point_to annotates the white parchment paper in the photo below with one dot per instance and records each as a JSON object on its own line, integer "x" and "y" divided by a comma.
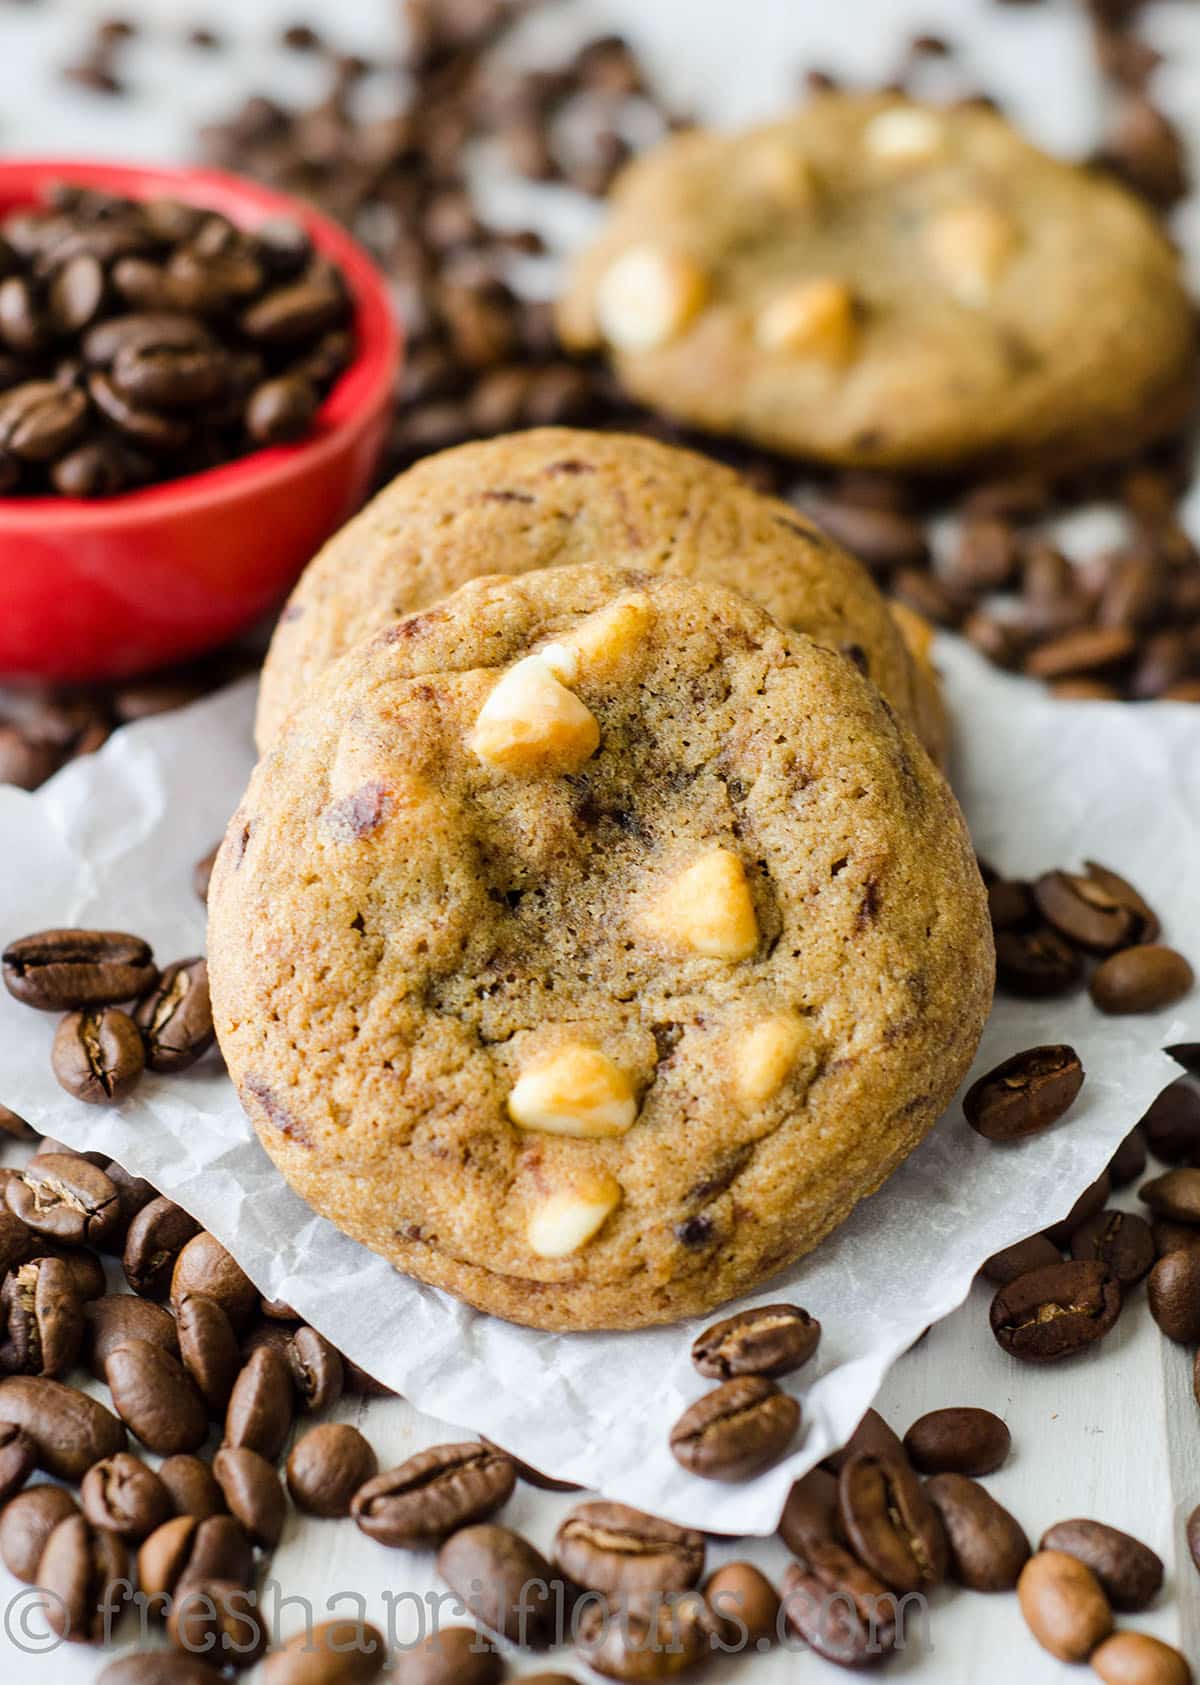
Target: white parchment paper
{"x": 112, "y": 840}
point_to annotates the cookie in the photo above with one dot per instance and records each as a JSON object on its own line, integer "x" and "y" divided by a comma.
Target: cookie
{"x": 559, "y": 496}
{"x": 588, "y": 945}
{"x": 879, "y": 283}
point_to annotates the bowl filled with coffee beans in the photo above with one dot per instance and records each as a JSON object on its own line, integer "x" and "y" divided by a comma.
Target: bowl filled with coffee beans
{"x": 196, "y": 379}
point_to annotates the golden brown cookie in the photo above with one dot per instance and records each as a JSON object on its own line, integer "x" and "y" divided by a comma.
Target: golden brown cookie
{"x": 881, "y": 283}
{"x": 588, "y": 945}
{"x": 560, "y": 496}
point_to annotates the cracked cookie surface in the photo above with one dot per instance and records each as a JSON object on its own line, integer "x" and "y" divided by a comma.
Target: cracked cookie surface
{"x": 589, "y": 945}
{"x": 563, "y": 496}
{"x": 881, "y": 283}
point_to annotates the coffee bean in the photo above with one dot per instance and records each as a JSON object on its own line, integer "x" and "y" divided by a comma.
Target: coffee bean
{"x": 57, "y": 970}
{"x": 192, "y": 1486}
{"x": 1142, "y": 979}
{"x": 872, "y": 1435}
{"x": 1018, "y": 1259}
{"x": 1119, "y": 1240}
{"x": 958, "y": 1440}
{"x": 1172, "y": 1237}
{"x": 122, "y": 1495}
{"x": 1064, "y": 1605}
{"x": 1187, "y": 1054}
{"x": 259, "y": 1415}
{"x": 616, "y": 1550}
{"x": 811, "y": 1512}
{"x": 16, "y": 1241}
{"x": 134, "y": 1193}
{"x": 1086, "y": 912}
{"x": 505, "y": 1583}
{"x": 204, "y": 1266}
{"x": 986, "y": 1547}
{"x": 1137, "y": 1658}
{"x": 735, "y": 1431}
{"x": 1173, "y": 1294}
{"x": 116, "y": 1317}
{"x": 1091, "y": 1200}
{"x": 155, "y": 1239}
{"x": 43, "y": 1319}
{"x": 1025, "y": 1094}
{"x": 208, "y": 1348}
{"x": 882, "y": 538}
{"x": 642, "y": 1635}
{"x": 12, "y": 1124}
{"x": 71, "y": 1430}
{"x": 176, "y": 1017}
{"x": 220, "y": 1618}
{"x": 153, "y": 1396}
{"x": 1175, "y": 1194}
{"x": 18, "y": 1459}
{"x": 98, "y": 1056}
{"x": 889, "y": 1522}
{"x": 293, "y": 314}
{"x": 326, "y": 1467}
{"x": 449, "y": 1655}
{"x": 1172, "y": 1122}
{"x": 340, "y": 1652}
{"x": 281, "y": 410}
{"x": 771, "y": 1340}
{"x": 159, "y": 1667}
{"x": 1055, "y": 1311}
{"x": 1082, "y": 650}
{"x": 1036, "y": 963}
{"x": 185, "y": 1550}
{"x": 432, "y": 1494}
{"x": 26, "y": 1522}
{"x": 838, "y": 1607}
{"x": 1129, "y": 1572}
{"x": 1129, "y": 1160}
{"x": 86, "y": 1573}
{"x": 1122, "y": 891}
{"x": 253, "y": 1492}
{"x": 317, "y": 1370}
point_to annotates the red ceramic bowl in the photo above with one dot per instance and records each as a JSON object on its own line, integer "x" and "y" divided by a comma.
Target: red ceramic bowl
{"x": 106, "y": 588}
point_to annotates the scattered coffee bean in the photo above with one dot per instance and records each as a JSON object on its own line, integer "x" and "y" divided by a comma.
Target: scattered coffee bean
{"x": 86, "y": 1574}
{"x": 1173, "y": 1294}
{"x": 505, "y": 1583}
{"x": 890, "y": 1524}
{"x": 745, "y": 1606}
{"x": 340, "y": 1652}
{"x": 18, "y": 1459}
{"x": 1172, "y": 1123}
{"x": 735, "y": 1431}
{"x": 153, "y": 1396}
{"x": 1137, "y": 1658}
{"x": 159, "y": 1667}
{"x": 1142, "y": 979}
{"x": 449, "y": 1655}
{"x": 1119, "y": 1240}
{"x": 1129, "y": 1572}
{"x": 42, "y": 1314}
{"x": 203, "y": 1266}
{"x": 1017, "y": 1260}
{"x": 26, "y": 1522}
{"x": 838, "y": 1607}
{"x": 1064, "y": 1605}
{"x": 260, "y": 1406}
{"x": 71, "y": 1430}
{"x": 63, "y": 1197}
{"x": 12, "y": 1124}
{"x": 986, "y": 1547}
{"x": 1172, "y": 1237}
{"x": 1055, "y": 1311}
{"x": 122, "y": 1495}
{"x": 175, "y": 1018}
{"x": 1187, "y": 1054}
{"x": 59, "y": 970}
{"x": 191, "y": 1485}
{"x": 317, "y": 1370}
{"x": 116, "y": 1317}
{"x": 155, "y": 1239}
{"x": 770, "y": 1340}
{"x": 1036, "y": 963}
{"x": 1174, "y": 1194}
{"x": 958, "y": 1440}
{"x": 811, "y": 1512}
{"x": 872, "y": 1435}
{"x": 208, "y": 1349}
{"x": 1087, "y": 912}
{"x": 432, "y": 1494}
{"x": 1025, "y": 1094}
{"x": 98, "y": 1056}
{"x": 218, "y": 1617}
{"x": 326, "y": 1467}
{"x": 253, "y": 1492}
{"x": 641, "y": 1635}
{"x": 1091, "y": 1200}
{"x": 1129, "y": 1160}
{"x": 184, "y": 1550}
{"x": 616, "y": 1550}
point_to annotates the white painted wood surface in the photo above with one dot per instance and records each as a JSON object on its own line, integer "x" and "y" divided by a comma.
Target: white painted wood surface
{"x": 1114, "y": 1435}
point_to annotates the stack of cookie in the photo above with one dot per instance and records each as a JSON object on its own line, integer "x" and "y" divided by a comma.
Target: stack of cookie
{"x": 597, "y": 928}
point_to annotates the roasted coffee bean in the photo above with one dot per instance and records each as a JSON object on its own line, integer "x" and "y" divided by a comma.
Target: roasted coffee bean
{"x": 882, "y": 538}
{"x": 122, "y": 1495}
{"x": 735, "y": 1431}
{"x": 1018, "y": 1259}
{"x": 316, "y": 1369}
{"x": 986, "y": 1547}
{"x": 86, "y": 1573}
{"x": 175, "y": 1018}
{"x": 14, "y": 1125}
{"x": 1036, "y": 963}
{"x": 616, "y": 1550}
{"x": 220, "y": 1618}
{"x": 1175, "y": 1194}
{"x": 872, "y": 1435}
{"x": 1173, "y": 1237}
{"x": 811, "y": 1512}
{"x": 331, "y": 1653}
{"x": 291, "y": 314}
{"x": 191, "y": 1486}
{"x": 18, "y": 1459}
{"x": 71, "y": 1430}
{"x": 643, "y": 1636}
{"x": 154, "y": 1397}
{"x": 260, "y": 1406}
{"x": 116, "y": 1317}
{"x": 1173, "y": 1294}
{"x": 1086, "y": 912}
{"x": 326, "y": 1467}
{"x": 1171, "y": 1124}
{"x": 1025, "y": 1094}
{"x": 889, "y": 1522}
{"x": 134, "y": 1193}
{"x": 1144, "y": 979}
{"x": 16, "y": 1241}
{"x": 770, "y": 1340}
{"x": 26, "y": 1522}
{"x": 98, "y": 1056}
{"x": 1091, "y": 1200}
{"x": 1119, "y": 1240}
{"x": 1010, "y": 905}
{"x": 505, "y": 1583}
{"x": 253, "y": 1492}
{"x": 432, "y": 1494}
{"x": 159, "y": 1667}
{"x": 281, "y": 410}
{"x": 1056, "y": 1311}
{"x": 745, "y": 1606}
{"x": 87, "y": 1271}
{"x": 208, "y": 1349}
{"x": 171, "y": 377}
{"x": 449, "y": 1655}
{"x": 63, "y": 1197}
{"x": 185, "y": 1549}
{"x": 58, "y": 970}
{"x": 147, "y": 429}
{"x": 1187, "y": 1054}
{"x": 1064, "y": 1605}
{"x": 1136, "y": 1658}
{"x": 838, "y": 1607}
{"x": 43, "y": 1319}
{"x": 1129, "y": 1160}
{"x": 204, "y": 1266}
{"x": 40, "y": 419}
{"x": 959, "y": 1440}
{"x": 1122, "y": 891}
{"x": 155, "y": 1239}
{"x": 1129, "y": 1572}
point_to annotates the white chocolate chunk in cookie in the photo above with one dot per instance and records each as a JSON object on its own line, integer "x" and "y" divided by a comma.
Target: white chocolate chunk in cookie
{"x": 603, "y": 642}
{"x": 566, "y": 1220}
{"x": 532, "y": 723}
{"x": 904, "y": 134}
{"x": 766, "y": 1055}
{"x": 812, "y": 318}
{"x": 780, "y": 173}
{"x": 707, "y": 910}
{"x": 646, "y": 297}
{"x": 576, "y": 1091}
{"x": 970, "y": 246}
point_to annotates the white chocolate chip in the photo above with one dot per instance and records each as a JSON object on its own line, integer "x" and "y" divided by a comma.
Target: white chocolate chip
{"x": 707, "y": 910}
{"x": 766, "y": 1056}
{"x": 531, "y": 723}
{"x": 576, "y": 1091}
{"x": 904, "y": 134}
{"x": 566, "y": 1220}
{"x": 562, "y": 660}
{"x": 812, "y": 318}
{"x": 647, "y": 297}
{"x": 970, "y": 245}
{"x": 602, "y": 643}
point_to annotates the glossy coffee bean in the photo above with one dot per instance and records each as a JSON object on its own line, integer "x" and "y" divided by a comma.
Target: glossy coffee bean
{"x": 1145, "y": 979}
{"x": 616, "y": 1550}
{"x": 98, "y": 1056}
{"x": 1056, "y": 1311}
{"x": 259, "y": 1415}
{"x": 1170, "y": 1236}
{"x": 1086, "y": 912}
{"x": 1172, "y": 1122}
{"x": 1063, "y": 1604}
{"x": 86, "y": 1573}
{"x": 1129, "y": 1571}
{"x": 505, "y": 1583}
{"x": 1173, "y": 1294}
{"x": 208, "y": 1349}
{"x": 204, "y": 1266}
{"x": 735, "y": 1431}
{"x": 872, "y": 1435}
{"x": 184, "y": 1550}
{"x": 1174, "y": 1195}
{"x": 116, "y": 1317}
{"x": 71, "y": 1430}
{"x": 175, "y": 1018}
{"x": 770, "y": 1340}
{"x": 810, "y": 1514}
{"x": 154, "y": 1397}
{"x": 339, "y": 1652}
{"x": 220, "y": 1618}
{"x": 839, "y": 1608}
{"x": 42, "y": 1316}
{"x": 1119, "y": 1240}
{"x": 154, "y": 1240}
{"x": 432, "y": 1494}
{"x": 642, "y": 1636}
{"x": 1091, "y": 1200}
{"x": 123, "y": 1495}
{"x": 191, "y": 1486}
{"x": 745, "y": 1606}
{"x": 986, "y": 1547}
{"x": 326, "y": 1467}
{"x": 26, "y": 1522}
{"x": 317, "y": 1370}
{"x": 1037, "y": 963}
{"x": 64, "y": 1198}
{"x": 1025, "y": 1094}
{"x": 59, "y": 970}
{"x": 449, "y": 1655}
{"x": 18, "y": 1459}
{"x": 1137, "y": 1658}
{"x": 890, "y": 1524}
{"x": 957, "y": 1440}
{"x": 253, "y": 1492}
{"x": 1016, "y": 1260}
{"x": 1129, "y": 1160}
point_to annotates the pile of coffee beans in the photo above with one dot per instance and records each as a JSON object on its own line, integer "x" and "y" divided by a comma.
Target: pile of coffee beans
{"x": 142, "y": 340}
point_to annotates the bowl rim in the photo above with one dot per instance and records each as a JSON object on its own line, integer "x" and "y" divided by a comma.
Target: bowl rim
{"x": 350, "y": 405}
